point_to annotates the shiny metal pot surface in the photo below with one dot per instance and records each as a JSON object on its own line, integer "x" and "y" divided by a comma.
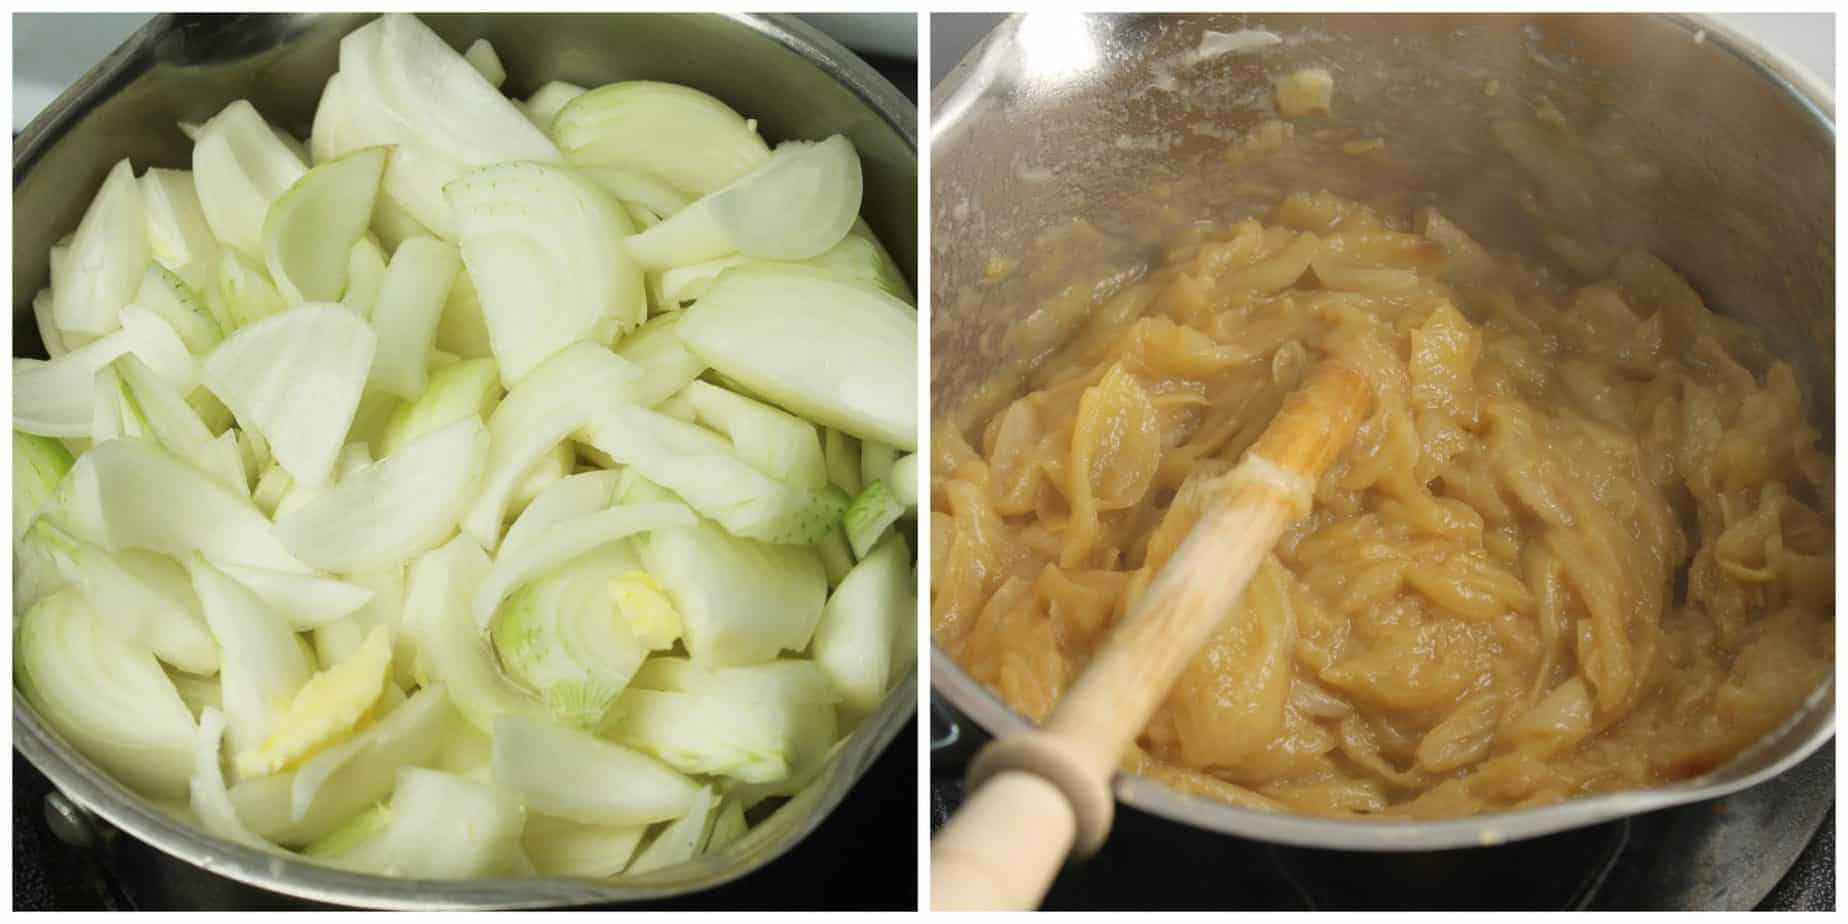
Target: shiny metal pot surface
{"x": 797, "y": 82}
{"x": 1061, "y": 116}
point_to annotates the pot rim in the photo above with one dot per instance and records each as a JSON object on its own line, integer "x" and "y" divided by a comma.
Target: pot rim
{"x": 952, "y": 99}
{"x": 85, "y": 784}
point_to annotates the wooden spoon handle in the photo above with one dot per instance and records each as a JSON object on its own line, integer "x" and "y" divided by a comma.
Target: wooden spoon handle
{"x": 999, "y": 858}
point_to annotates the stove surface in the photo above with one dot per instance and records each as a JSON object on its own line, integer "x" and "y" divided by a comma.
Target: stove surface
{"x": 1771, "y": 847}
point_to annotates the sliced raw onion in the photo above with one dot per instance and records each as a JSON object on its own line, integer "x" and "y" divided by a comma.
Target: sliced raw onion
{"x": 240, "y": 166}
{"x": 404, "y": 316}
{"x": 296, "y": 379}
{"x": 108, "y": 697}
{"x": 677, "y": 133}
{"x": 393, "y": 510}
{"x": 796, "y": 205}
{"x": 840, "y": 355}
{"x": 566, "y": 541}
{"x": 556, "y": 400}
{"x": 573, "y": 775}
{"x": 544, "y": 249}
{"x": 107, "y": 256}
{"x": 262, "y": 664}
{"x": 310, "y": 230}
{"x": 179, "y": 237}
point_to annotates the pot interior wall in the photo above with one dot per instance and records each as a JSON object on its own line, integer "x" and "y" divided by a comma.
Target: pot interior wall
{"x": 281, "y": 63}
{"x": 1706, "y": 159}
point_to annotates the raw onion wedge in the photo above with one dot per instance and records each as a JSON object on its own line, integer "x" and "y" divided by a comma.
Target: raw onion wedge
{"x": 853, "y": 644}
{"x": 351, "y": 833}
{"x": 470, "y": 388}
{"x": 543, "y": 246}
{"x": 566, "y": 541}
{"x": 307, "y": 601}
{"x": 838, "y": 354}
{"x": 704, "y": 470}
{"x": 462, "y": 329}
{"x": 179, "y": 238}
{"x": 140, "y": 606}
{"x": 57, "y": 398}
{"x": 337, "y": 640}
{"x": 794, "y": 681}
{"x": 727, "y": 827}
{"x": 756, "y": 724}
{"x": 240, "y": 166}
{"x": 551, "y": 467}
{"x": 107, "y": 256}
{"x": 392, "y": 510}
{"x": 557, "y": 399}
{"x": 211, "y": 803}
{"x": 903, "y": 481}
{"x": 681, "y": 841}
{"x": 168, "y": 296}
{"x": 333, "y": 132}
{"x": 39, "y": 464}
{"x": 666, "y": 364}
{"x": 176, "y": 426}
{"x": 197, "y": 692}
{"x": 682, "y": 285}
{"x": 366, "y": 266}
{"x": 794, "y": 206}
{"x": 860, "y": 258}
{"x": 568, "y": 498}
{"x": 261, "y": 663}
{"x": 836, "y": 555}
{"x": 106, "y": 696}
{"x": 565, "y": 637}
{"x": 443, "y": 826}
{"x": 643, "y": 190}
{"x": 43, "y": 308}
{"x": 404, "y": 86}
{"x": 480, "y": 56}
{"x": 296, "y": 379}
{"x": 326, "y": 709}
{"x": 346, "y": 778}
{"x": 705, "y": 735}
{"x": 742, "y": 602}
{"x": 134, "y": 495}
{"x": 310, "y": 230}
{"x": 451, "y": 645}
{"x": 572, "y": 775}
{"x": 410, "y": 301}
{"x": 876, "y": 460}
{"x": 242, "y": 292}
{"x": 779, "y": 444}
{"x": 543, "y": 106}
{"x": 447, "y": 103}
{"x": 869, "y": 516}
{"x": 559, "y": 847}
{"x": 677, "y": 133}
{"x": 843, "y": 455}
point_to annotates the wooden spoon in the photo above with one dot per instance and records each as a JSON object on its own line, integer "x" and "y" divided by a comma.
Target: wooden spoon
{"x": 1036, "y": 796}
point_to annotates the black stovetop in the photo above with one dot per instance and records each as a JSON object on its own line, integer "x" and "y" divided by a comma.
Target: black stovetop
{"x": 1771, "y": 847}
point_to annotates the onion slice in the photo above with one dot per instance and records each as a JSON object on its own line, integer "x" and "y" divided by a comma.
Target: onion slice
{"x": 677, "y": 133}
{"x": 573, "y": 775}
{"x": 310, "y": 231}
{"x": 543, "y": 246}
{"x": 838, "y": 354}
{"x": 392, "y": 510}
{"x": 295, "y": 378}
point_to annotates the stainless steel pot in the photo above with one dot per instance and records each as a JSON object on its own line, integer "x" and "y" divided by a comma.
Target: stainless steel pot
{"x": 1056, "y": 116}
{"x": 797, "y": 82}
